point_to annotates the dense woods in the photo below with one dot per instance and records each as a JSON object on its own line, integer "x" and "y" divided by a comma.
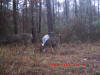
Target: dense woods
{"x": 72, "y": 29}
{"x": 75, "y": 20}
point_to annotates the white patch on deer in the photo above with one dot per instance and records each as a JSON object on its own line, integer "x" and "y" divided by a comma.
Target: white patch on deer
{"x": 45, "y": 38}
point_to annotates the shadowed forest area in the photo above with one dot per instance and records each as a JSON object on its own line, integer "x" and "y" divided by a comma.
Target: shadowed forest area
{"x": 49, "y": 37}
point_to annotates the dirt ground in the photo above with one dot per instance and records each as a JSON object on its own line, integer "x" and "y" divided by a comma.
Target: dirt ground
{"x": 30, "y": 61}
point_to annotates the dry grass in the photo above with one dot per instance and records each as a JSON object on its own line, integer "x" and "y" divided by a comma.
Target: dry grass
{"x": 22, "y": 61}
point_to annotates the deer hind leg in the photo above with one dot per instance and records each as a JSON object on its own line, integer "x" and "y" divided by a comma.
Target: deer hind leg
{"x": 53, "y": 51}
{"x": 17, "y": 50}
{"x": 52, "y": 48}
{"x": 44, "y": 48}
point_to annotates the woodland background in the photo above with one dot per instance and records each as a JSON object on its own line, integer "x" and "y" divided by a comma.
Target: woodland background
{"x": 76, "y": 20}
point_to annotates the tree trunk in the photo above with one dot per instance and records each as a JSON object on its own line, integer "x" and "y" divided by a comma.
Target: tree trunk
{"x": 98, "y": 9}
{"x": 66, "y": 9}
{"x": 76, "y": 12}
{"x": 49, "y": 17}
{"x": 90, "y": 14}
{"x": 40, "y": 8}
{"x": 23, "y": 22}
{"x": 7, "y": 4}
{"x": 53, "y": 11}
{"x": 33, "y": 24}
{"x": 1, "y": 4}
{"x": 15, "y": 16}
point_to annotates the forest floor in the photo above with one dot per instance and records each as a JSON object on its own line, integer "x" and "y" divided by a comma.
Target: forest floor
{"x": 20, "y": 61}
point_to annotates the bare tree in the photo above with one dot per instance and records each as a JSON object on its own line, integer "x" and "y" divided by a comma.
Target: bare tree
{"x": 40, "y": 8}
{"x": 98, "y": 8}
{"x": 1, "y": 4}
{"x": 53, "y": 3}
{"x": 49, "y": 16}
{"x": 32, "y": 21}
{"x": 67, "y": 9}
{"x": 25, "y": 15}
{"x": 15, "y": 16}
{"x": 76, "y": 11}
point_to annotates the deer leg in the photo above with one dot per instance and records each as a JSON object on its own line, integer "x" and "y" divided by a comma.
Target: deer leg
{"x": 17, "y": 51}
{"x": 43, "y": 49}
